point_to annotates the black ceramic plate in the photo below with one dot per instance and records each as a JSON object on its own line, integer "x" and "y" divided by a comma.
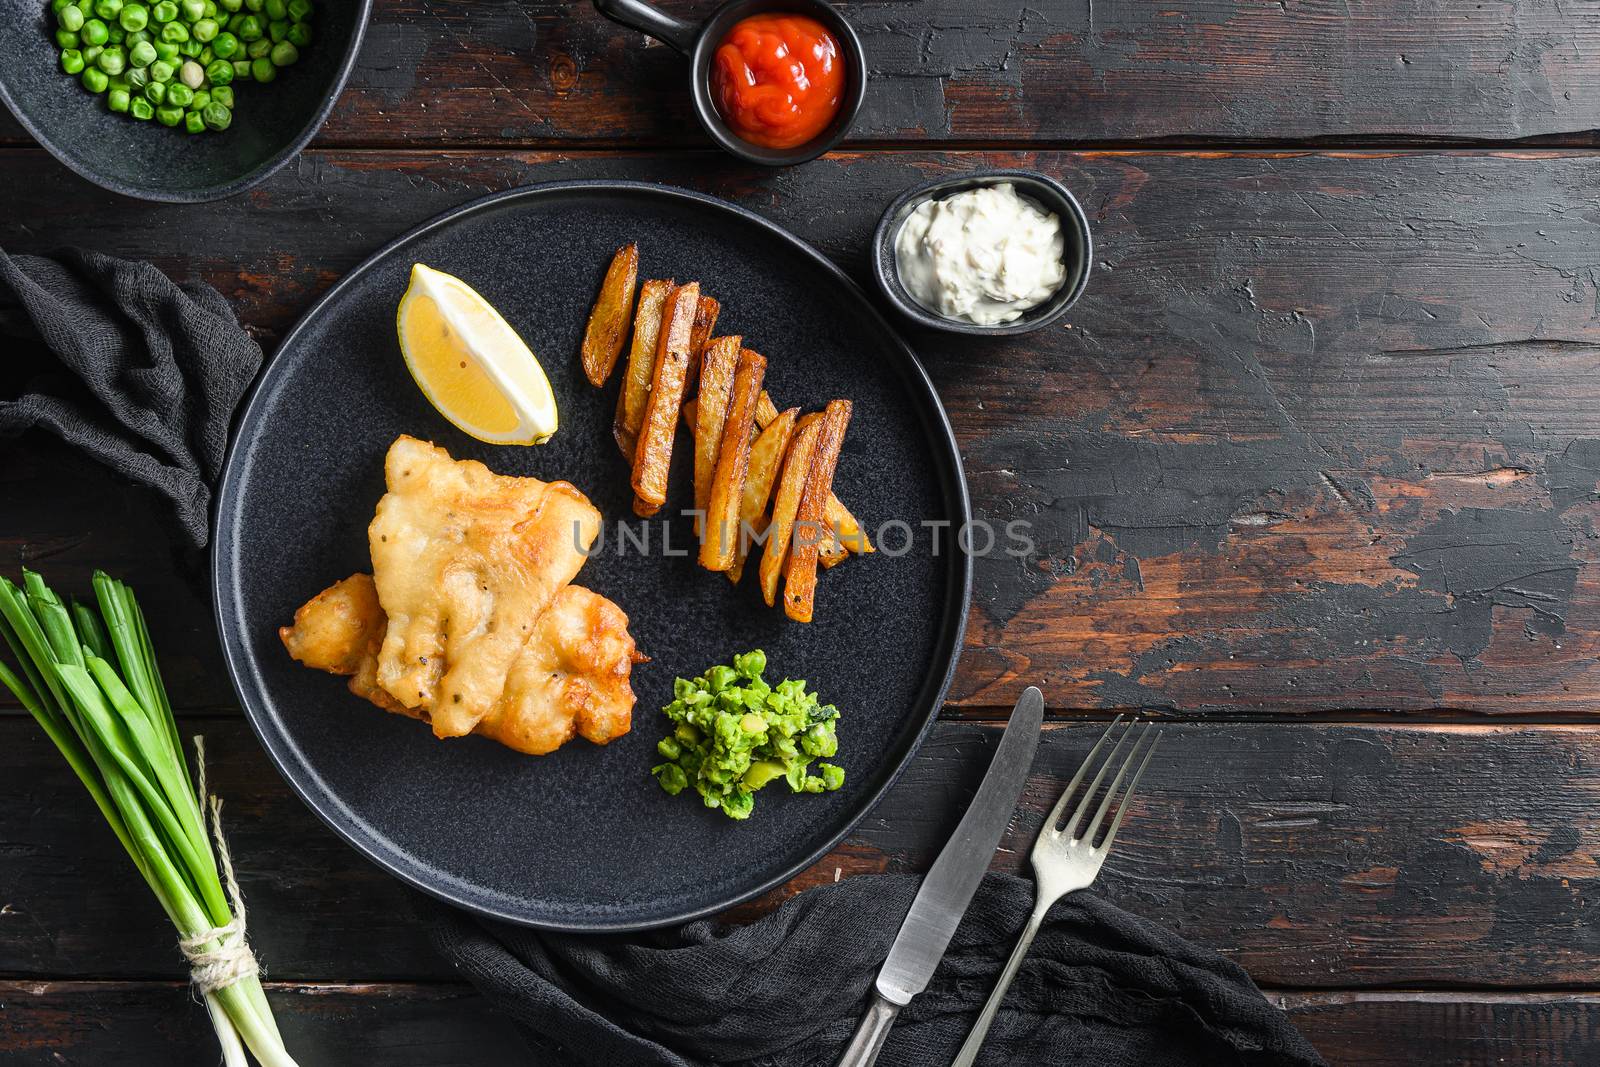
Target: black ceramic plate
{"x": 271, "y": 123}
{"x": 584, "y": 839}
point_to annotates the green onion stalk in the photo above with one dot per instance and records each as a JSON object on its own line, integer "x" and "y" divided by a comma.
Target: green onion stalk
{"x": 88, "y": 675}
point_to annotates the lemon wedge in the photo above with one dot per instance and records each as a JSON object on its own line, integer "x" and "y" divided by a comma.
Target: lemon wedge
{"x": 470, "y": 364}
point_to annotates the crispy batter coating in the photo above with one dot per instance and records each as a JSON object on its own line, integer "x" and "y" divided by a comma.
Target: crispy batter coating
{"x": 571, "y": 678}
{"x": 465, "y": 562}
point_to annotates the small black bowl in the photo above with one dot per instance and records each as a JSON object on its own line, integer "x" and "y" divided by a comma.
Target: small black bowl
{"x": 1047, "y": 193}
{"x": 699, "y": 42}
{"x": 149, "y": 161}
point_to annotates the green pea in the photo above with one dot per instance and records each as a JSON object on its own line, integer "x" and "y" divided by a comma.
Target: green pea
{"x": 166, "y": 50}
{"x": 241, "y": 68}
{"x": 169, "y": 116}
{"x": 119, "y": 101}
{"x": 70, "y": 19}
{"x": 278, "y": 30}
{"x": 201, "y": 101}
{"x": 205, "y": 30}
{"x": 115, "y": 34}
{"x": 94, "y": 79}
{"x": 161, "y": 71}
{"x": 57, "y": 5}
{"x": 259, "y": 49}
{"x": 142, "y": 54}
{"x": 71, "y": 60}
{"x": 249, "y": 28}
{"x": 254, "y": 5}
{"x": 191, "y": 48}
{"x": 209, "y": 9}
{"x": 205, "y": 56}
{"x": 175, "y": 33}
{"x": 225, "y": 45}
{"x": 299, "y": 10}
{"x": 139, "y": 37}
{"x": 262, "y": 70}
{"x": 216, "y": 117}
{"x": 68, "y": 39}
{"x": 112, "y": 61}
{"x": 284, "y": 54}
{"x": 92, "y": 53}
{"x": 179, "y": 94}
{"x": 108, "y": 9}
{"x": 223, "y": 94}
{"x": 219, "y": 72}
{"x": 192, "y": 10}
{"x": 299, "y": 34}
{"x": 230, "y": 6}
{"x": 138, "y": 78}
{"x": 194, "y": 123}
{"x": 156, "y": 92}
{"x": 134, "y": 17}
{"x": 95, "y": 32}
{"x": 165, "y": 11}
{"x": 141, "y": 109}
{"x": 275, "y": 9}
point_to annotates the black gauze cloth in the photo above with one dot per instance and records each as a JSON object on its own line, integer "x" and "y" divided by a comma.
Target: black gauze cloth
{"x": 115, "y": 358}
{"x": 1100, "y": 987}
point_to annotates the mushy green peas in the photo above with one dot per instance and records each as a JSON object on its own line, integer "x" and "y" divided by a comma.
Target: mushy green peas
{"x": 733, "y": 733}
{"x": 166, "y": 60}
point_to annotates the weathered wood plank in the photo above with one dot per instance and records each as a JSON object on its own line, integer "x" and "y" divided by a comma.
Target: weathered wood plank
{"x": 87, "y": 1024}
{"x": 134, "y": 1024}
{"x": 1315, "y": 855}
{"x": 1225, "y": 70}
{"x": 1324, "y": 433}
{"x": 1459, "y": 1029}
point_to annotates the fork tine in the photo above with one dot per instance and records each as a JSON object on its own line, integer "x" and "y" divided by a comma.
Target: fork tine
{"x": 1111, "y": 790}
{"x": 1071, "y": 829}
{"x": 1127, "y": 797}
{"x": 1055, "y": 813}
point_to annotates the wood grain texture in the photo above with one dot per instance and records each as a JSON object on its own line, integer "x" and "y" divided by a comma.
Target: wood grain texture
{"x": 553, "y": 71}
{"x": 157, "y": 1024}
{"x": 1322, "y": 436}
{"x": 1315, "y": 855}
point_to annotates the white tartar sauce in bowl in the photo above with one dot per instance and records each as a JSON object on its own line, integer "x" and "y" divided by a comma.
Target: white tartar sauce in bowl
{"x": 983, "y": 256}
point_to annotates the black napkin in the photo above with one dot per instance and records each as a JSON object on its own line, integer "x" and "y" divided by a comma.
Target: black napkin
{"x": 1100, "y": 987}
{"x": 139, "y": 372}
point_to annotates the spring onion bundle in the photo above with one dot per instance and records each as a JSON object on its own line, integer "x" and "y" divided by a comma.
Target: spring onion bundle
{"x": 89, "y": 676}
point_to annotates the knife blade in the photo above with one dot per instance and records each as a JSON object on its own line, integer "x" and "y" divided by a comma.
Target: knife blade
{"x": 954, "y": 877}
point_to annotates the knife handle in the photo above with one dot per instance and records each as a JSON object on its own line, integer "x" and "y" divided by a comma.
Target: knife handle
{"x": 870, "y": 1034}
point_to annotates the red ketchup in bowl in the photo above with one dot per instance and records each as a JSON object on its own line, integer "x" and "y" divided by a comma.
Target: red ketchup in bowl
{"x": 778, "y": 80}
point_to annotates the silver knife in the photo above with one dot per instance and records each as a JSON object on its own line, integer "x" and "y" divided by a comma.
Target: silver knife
{"x": 948, "y": 888}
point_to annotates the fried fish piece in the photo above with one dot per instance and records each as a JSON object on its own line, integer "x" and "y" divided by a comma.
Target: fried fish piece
{"x": 571, "y": 678}
{"x": 465, "y": 561}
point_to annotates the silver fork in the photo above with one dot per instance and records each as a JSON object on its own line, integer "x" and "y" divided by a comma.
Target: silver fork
{"x": 1065, "y": 862}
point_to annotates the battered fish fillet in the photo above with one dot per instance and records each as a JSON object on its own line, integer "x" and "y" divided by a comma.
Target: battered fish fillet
{"x": 570, "y": 678}
{"x": 466, "y": 561}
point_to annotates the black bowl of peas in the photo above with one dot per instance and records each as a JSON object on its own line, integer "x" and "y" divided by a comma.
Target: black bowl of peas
{"x": 176, "y": 100}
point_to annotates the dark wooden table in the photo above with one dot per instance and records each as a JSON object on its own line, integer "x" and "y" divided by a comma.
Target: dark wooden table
{"x": 1313, "y": 473}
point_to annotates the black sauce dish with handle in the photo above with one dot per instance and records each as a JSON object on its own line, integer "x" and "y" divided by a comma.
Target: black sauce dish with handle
{"x": 699, "y": 40}
{"x": 150, "y": 162}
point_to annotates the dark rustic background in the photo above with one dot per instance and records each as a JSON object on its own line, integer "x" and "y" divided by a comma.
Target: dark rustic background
{"x": 1313, "y": 472}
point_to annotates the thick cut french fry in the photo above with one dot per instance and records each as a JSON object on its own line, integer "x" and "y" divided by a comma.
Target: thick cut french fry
{"x": 790, "y": 485}
{"x": 641, "y": 363}
{"x": 766, "y": 458}
{"x": 613, "y": 311}
{"x": 711, "y": 411}
{"x": 846, "y": 528}
{"x": 705, "y": 320}
{"x": 831, "y": 553}
{"x": 722, "y": 532}
{"x": 800, "y": 580}
{"x": 652, "y": 458}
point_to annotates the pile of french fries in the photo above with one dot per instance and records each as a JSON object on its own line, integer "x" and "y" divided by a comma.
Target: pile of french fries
{"x": 763, "y": 478}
